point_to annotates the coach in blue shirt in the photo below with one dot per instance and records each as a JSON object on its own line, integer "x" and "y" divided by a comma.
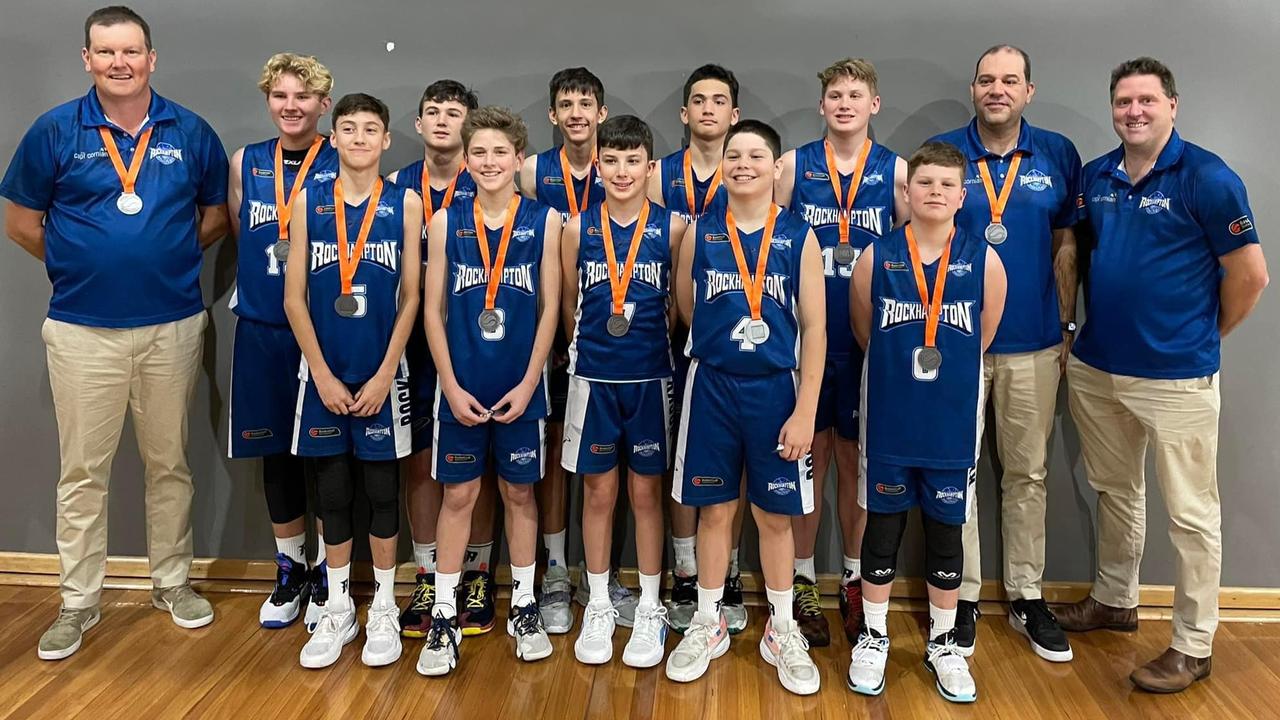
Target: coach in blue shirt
{"x": 1022, "y": 185}
{"x": 1175, "y": 264}
{"x": 118, "y": 192}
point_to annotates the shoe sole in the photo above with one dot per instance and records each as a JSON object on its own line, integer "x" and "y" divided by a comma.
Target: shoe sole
{"x": 719, "y": 650}
{"x": 593, "y": 661}
{"x": 473, "y": 630}
{"x": 415, "y": 634}
{"x": 772, "y": 659}
{"x": 431, "y": 672}
{"x": 1057, "y": 656}
{"x": 68, "y": 652}
{"x": 1164, "y": 691}
{"x": 735, "y": 628}
{"x": 946, "y": 695}
{"x": 644, "y": 663}
{"x": 1117, "y": 627}
{"x": 317, "y": 665}
{"x": 382, "y": 661}
{"x": 278, "y": 624}
{"x": 863, "y": 690}
{"x": 187, "y": 624}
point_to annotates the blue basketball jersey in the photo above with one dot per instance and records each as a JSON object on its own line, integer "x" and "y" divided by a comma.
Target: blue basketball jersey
{"x": 915, "y": 418}
{"x": 550, "y": 185}
{"x": 673, "y": 192}
{"x": 410, "y": 176}
{"x": 718, "y": 334}
{"x": 644, "y": 353}
{"x": 489, "y": 364}
{"x": 354, "y": 346}
{"x": 259, "y": 293}
{"x": 872, "y": 217}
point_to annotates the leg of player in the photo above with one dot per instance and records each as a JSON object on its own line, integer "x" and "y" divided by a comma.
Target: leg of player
{"x": 944, "y": 555}
{"x": 734, "y": 606}
{"x": 286, "y": 493}
{"x": 853, "y": 523}
{"x": 335, "y": 487}
{"x": 557, "y": 593}
{"x": 422, "y": 496}
{"x": 684, "y": 575}
{"x": 476, "y": 611}
{"x": 880, "y": 546}
{"x": 382, "y": 628}
{"x": 439, "y": 655}
{"x": 524, "y": 623}
{"x": 707, "y": 636}
{"x": 318, "y": 579}
{"x": 599, "y": 495}
{"x": 806, "y": 606}
{"x": 783, "y": 645}
{"x": 648, "y": 639}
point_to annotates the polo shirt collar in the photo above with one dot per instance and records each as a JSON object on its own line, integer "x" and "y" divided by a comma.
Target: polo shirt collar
{"x": 977, "y": 151}
{"x": 1170, "y": 154}
{"x": 92, "y": 115}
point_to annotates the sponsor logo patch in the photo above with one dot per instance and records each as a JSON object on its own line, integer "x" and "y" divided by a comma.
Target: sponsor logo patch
{"x": 885, "y": 489}
{"x": 894, "y": 266}
{"x": 1240, "y": 225}
{"x": 459, "y": 458}
{"x": 816, "y": 175}
{"x": 602, "y": 449}
{"x": 715, "y": 237}
{"x": 324, "y": 210}
{"x": 264, "y": 173}
{"x": 465, "y": 233}
{"x": 259, "y": 434}
{"x": 324, "y": 432}
{"x": 704, "y": 481}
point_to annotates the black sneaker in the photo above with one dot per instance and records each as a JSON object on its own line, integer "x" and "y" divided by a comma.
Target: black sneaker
{"x": 415, "y": 621}
{"x": 683, "y": 603}
{"x": 477, "y": 614}
{"x": 284, "y": 605}
{"x": 734, "y": 609}
{"x": 967, "y": 615}
{"x": 319, "y": 595}
{"x": 1036, "y": 621}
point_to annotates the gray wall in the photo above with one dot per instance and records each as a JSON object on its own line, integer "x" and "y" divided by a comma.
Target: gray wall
{"x": 209, "y": 59}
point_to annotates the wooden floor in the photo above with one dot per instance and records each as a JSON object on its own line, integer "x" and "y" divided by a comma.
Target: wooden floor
{"x": 138, "y": 664}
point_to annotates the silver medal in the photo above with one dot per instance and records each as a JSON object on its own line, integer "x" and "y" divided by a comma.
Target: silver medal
{"x": 845, "y": 254}
{"x": 129, "y": 203}
{"x": 930, "y": 359}
{"x": 280, "y": 250}
{"x": 758, "y": 332}
{"x": 346, "y": 305}
{"x": 489, "y": 320}
{"x": 996, "y": 233}
{"x": 618, "y": 325}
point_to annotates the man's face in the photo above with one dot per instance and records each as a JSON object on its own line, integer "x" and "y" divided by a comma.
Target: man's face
{"x": 440, "y": 124}
{"x": 360, "y": 139}
{"x": 492, "y": 160}
{"x": 710, "y": 112}
{"x": 118, "y": 60}
{"x": 625, "y": 172}
{"x": 935, "y": 192}
{"x": 1141, "y": 112}
{"x": 847, "y": 105}
{"x": 577, "y": 114}
{"x": 1000, "y": 88}
{"x": 294, "y": 108}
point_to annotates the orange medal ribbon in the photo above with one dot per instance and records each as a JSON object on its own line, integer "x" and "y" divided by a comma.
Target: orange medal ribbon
{"x": 933, "y": 305}
{"x": 998, "y": 203}
{"x": 688, "y": 186}
{"x": 619, "y": 285}
{"x": 427, "y": 210}
{"x": 752, "y": 287}
{"x": 128, "y": 177}
{"x": 348, "y": 257}
{"x": 494, "y": 269}
{"x": 284, "y": 207}
{"x": 854, "y": 184}
{"x": 566, "y": 172}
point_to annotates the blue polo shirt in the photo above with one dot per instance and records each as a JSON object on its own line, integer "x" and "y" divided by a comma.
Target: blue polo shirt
{"x": 109, "y": 269}
{"x": 1043, "y": 199}
{"x": 1152, "y": 290}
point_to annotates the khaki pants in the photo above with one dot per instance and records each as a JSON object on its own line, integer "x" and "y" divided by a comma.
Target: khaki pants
{"x": 1118, "y": 417}
{"x": 1024, "y": 389}
{"x": 96, "y": 374}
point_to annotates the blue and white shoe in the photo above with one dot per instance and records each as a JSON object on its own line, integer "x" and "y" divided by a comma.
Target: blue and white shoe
{"x": 283, "y": 606}
{"x": 867, "y": 663}
{"x": 950, "y": 670}
{"x": 648, "y": 643}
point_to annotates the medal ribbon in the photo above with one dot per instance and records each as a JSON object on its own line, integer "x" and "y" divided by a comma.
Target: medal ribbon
{"x": 998, "y": 203}
{"x": 348, "y": 257}
{"x": 427, "y": 210}
{"x": 854, "y": 184}
{"x": 576, "y": 207}
{"x": 752, "y": 287}
{"x": 933, "y": 306}
{"x": 688, "y": 186}
{"x": 618, "y": 286}
{"x": 482, "y": 238}
{"x": 129, "y": 177}
{"x": 284, "y": 208}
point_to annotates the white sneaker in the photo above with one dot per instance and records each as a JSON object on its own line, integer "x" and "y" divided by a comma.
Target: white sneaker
{"x": 439, "y": 655}
{"x": 595, "y": 641}
{"x": 335, "y": 629}
{"x": 381, "y": 636}
{"x": 867, "y": 662}
{"x": 525, "y": 625}
{"x": 950, "y": 670}
{"x": 554, "y": 602}
{"x": 786, "y": 649}
{"x": 648, "y": 641}
{"x": 706, "y": 639}
{"x": 283, "y": 606}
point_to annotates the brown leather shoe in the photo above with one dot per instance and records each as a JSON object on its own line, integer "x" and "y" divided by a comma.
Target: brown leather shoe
{"x": 1089, "y": 614}
{"x": 806, "y": 608}
{"x": 1171, "y": 672}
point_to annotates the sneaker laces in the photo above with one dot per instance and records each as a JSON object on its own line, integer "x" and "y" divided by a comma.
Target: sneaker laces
{"x": 595, "y": 623}
{"x": 807, "y": 599}
{"x": 423, "y": 597}
{"x": 68, "y": 616}
{"x": 649, "y": 620}
{"x": 441, "y": 634}
{"x": 794, "y": 648}
{"x": 699, "y": 636}
{"x": 476, "y": 593}
{"x": 868, "y": 647}
{"x": 285, "y": 591}
{"x": 326, "y": 627}
{"x": 527, "y": 619}
{"x": 175, "y": 595}
{"x": 945, "y": 656}
{"x": 382, "y": 620}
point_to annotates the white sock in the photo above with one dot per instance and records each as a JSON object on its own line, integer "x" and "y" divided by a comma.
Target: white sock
{"x": 522, "y": 584}
{"x": 941, "y": 621}
{"x": 320, "y": 555}
{"x": 340, "y": 587}
{"x": 384, "y": 586}
{"x": 295, "y": 548}
{"x": 555, "y": 548}
{"x": 598, "y": 583}
{"x": 876, "y": 615}
{"x": 650, "y": 588}
{"x": 852, "y": 571}
{"x": 733, "y": 562}
{"x": 445, "y": 604}
{"x": 709, "y": 600}
{"x": 686, "y": 562}
{"x": 804, "y": 568}
{"x": 779, "y": 607}
{"x": 478, "y": 557}
{"x": 425, "y": 555}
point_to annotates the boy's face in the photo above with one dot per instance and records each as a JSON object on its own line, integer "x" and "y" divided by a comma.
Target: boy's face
{"x": 750, "y": 167}
{"x": 294, "y": 108}
{"x": 710, "y": 111}
{"x": 625, "y": 173}
{"x": 360, "y": 139}
{"x": 935, "y": 192}
{"x": 492, "y": 160}
{"x": 440, "y": 124}
{"x": 577, "y": 114}
{"x": 847, "y": 105}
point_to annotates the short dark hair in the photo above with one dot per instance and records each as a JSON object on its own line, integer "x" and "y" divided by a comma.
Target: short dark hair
{"x": 446, "y": 91}
{"x": 711, "y": 71}
{"x": 577, "y": 79}
{"x": 359, "y": 102}
{"x": 625, "y": 132}
{"x": 757, "y": 127}
{"x": 942, "y": 154}
{"x": 114, "y": 15}
{"x": 1145, "y": 66}
{"x": 1026, "y": 59}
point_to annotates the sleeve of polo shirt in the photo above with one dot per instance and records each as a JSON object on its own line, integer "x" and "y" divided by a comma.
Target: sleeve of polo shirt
{"x": 1071, "y": 211}
{"x": 31, "y": 175}
{"x": 213, "y": 159}
{"x": 1222, "y": 209}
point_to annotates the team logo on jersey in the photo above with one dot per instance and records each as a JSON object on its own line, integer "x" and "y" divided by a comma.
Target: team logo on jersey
{"x": 957, "y": 315}
{"x": 873, "y": 179}
{"x": 324, "y": 176}
{"x": 960, "y": 269}
{"x": 1240, "y": 225}
{"x": 324, "y": 432}
{"x": 463, "y": 194}
{"x": 1154, "y": 203}
{"x": 259, "y": 434}
{"x": 780, "y": 242}
{"x": 165, "y": 154}
{"x": 782, "y": 486}
{"x": 870, "y": 219}
{"x": 816, "y": 175}
{"x": 261, "y": 213}
{"x": 524, "y": 233}
{"x": 720, "y": 283}
{"x": 715, "y": 237}
{"x": 377, "y": 433}
{"x": 384, "y": 210}
{"x": 949, "y": 495}
{"x": 705, "y": 481}
{"x": 884, "y": 489}
{"x": 383, "y": 253}
{"x": 602, "y": 449}
{"x": 652, "y": 273}
{"x": 466, "y": 277}
{"x": 894, "y": 266}
{"x": 459, "y": 458}
{"x": 646, "y": 448}
{"x": 263, "y": 173}
{"x": 524, "y": 456}
{"x": 1035, "y": 180}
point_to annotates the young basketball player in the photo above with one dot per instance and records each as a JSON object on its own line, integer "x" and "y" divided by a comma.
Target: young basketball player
{"x": 492, "y": 295}
{"x": 266, "y": 178}
{"x": 616, "y": 308}
{"x": 351, "y": 296}
{"x": 847, "y": 188}
{"x": 750, "y": 289}
{"x": 926, "y": 301}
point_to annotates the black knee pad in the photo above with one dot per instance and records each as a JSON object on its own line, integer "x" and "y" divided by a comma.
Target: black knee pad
{"x": 880, "y": 545}
{"x": 335, "y": 490}
{"x": 285, "y": 487}
{"x": 382, "y": 486}
{"x": 943, "y": 554}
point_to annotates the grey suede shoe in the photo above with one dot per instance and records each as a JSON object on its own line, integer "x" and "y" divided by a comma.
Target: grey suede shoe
{"x": 187, "y": 608}
{"x": 62, "y": 638}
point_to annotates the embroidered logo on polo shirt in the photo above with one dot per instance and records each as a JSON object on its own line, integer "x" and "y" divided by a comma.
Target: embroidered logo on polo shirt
{"x": 1035, "y": 180}
{"x": 1154, "y": 203}
{"x": 1240, "y": 225}
{"x": 165, "y": 154}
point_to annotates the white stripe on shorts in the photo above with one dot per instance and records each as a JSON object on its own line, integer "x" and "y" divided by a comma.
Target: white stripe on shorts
{"x": 677, "y": 475}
